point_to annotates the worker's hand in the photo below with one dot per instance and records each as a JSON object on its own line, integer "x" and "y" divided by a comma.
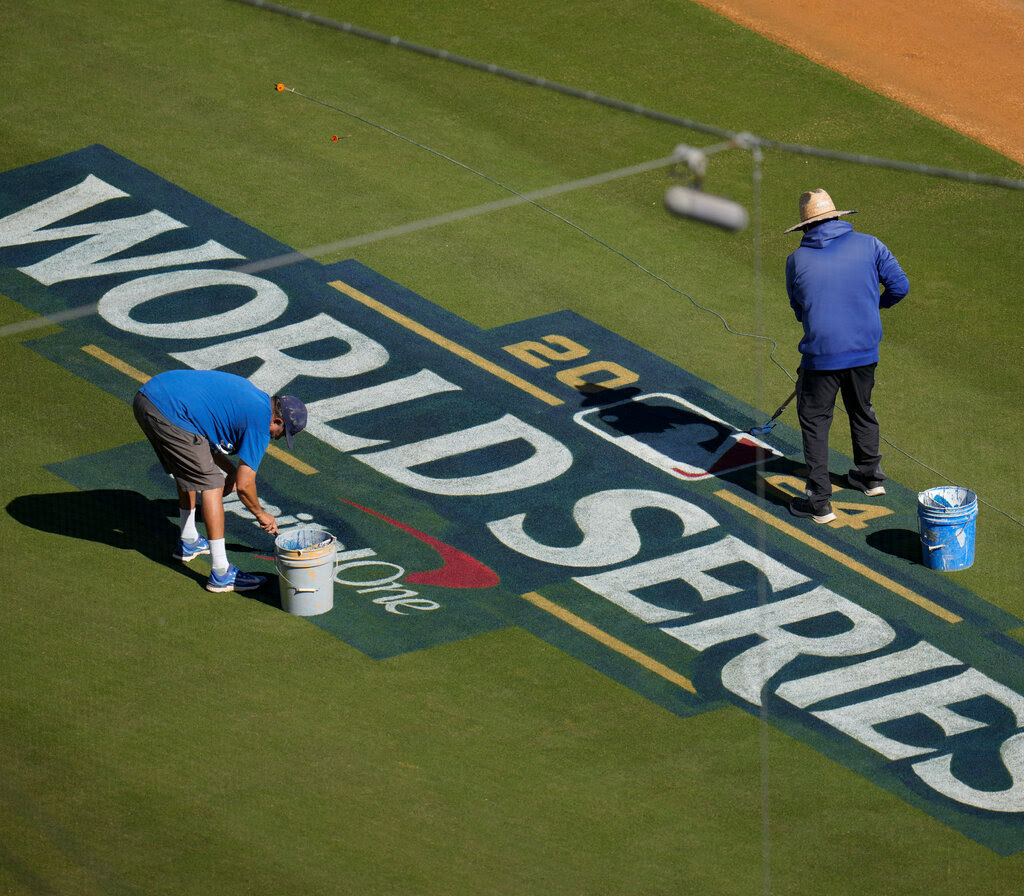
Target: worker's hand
{"x": 267, "y": 523}
{"x": 229, "y": 482}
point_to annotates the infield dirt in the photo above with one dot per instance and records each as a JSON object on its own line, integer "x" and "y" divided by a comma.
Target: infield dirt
{"x": 959, "y": 62}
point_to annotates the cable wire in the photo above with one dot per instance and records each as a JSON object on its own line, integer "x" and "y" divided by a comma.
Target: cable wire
{"x": 738, "y": 141}
{"x": 531, "y": 198}
{"x": 634, "y": 108}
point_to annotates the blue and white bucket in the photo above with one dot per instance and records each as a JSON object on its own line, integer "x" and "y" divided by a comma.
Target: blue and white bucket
{"x": 305, "y": 559}
{"x": 947, "y": 517}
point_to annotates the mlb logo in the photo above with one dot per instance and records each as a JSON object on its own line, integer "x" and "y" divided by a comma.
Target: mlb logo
{"x": 675, "y": 435}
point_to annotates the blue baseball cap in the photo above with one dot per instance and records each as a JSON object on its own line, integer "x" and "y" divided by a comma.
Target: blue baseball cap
{"x": 293, "y": 413}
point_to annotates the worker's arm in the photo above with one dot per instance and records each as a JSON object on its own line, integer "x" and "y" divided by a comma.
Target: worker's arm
{"x": 245, "y": 482}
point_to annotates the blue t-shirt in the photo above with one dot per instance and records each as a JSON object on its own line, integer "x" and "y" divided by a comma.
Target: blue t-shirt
{"x": 225, "y": 409}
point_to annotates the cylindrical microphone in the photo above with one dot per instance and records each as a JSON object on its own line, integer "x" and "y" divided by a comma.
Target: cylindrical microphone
{"x": 690, "y": 203}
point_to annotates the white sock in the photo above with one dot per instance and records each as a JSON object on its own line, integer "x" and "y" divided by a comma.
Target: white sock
{"x": 219, "y": 555}
{"x": 189, "y": 532}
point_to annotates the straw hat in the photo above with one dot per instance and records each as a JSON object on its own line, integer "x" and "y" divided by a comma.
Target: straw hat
{"x": 816, "y": 206}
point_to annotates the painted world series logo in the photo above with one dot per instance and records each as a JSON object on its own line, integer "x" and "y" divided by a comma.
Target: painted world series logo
{"x": 547, "y": 474}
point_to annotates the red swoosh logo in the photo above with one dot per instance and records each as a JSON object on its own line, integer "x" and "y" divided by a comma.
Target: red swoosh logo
{"x": 457, "y": 570}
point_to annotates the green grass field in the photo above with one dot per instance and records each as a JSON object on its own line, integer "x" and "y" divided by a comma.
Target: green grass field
{"x": 160, "y": 739}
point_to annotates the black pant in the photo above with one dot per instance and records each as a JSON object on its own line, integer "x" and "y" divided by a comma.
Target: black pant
{"x": 815, "y": 404}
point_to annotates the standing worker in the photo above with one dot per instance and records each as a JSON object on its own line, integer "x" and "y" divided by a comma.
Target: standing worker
{"x": 833, "y": 282}
{"x": 194, "y": 419}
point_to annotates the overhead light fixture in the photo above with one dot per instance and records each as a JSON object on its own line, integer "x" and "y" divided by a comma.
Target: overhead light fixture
{"x": 690, "y": 201}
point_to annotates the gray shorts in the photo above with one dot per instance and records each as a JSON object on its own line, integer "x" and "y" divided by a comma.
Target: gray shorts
{"x": 183, "y": 454}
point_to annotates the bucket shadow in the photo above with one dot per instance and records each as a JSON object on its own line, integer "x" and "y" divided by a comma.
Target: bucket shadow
{"x": 269, "y": 593}
{"x": 119, "y": 518}
{"x": 905, "y": 544}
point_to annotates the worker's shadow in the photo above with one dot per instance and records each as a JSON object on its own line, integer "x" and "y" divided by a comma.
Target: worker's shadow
{"x": 119, "y": 518}
{"x": 754, "y": 479}
{"x": 903, "y": 544}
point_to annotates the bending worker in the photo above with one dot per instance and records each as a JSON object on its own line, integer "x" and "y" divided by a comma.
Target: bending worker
{"x": 194, "y": 419}
{"x": 833, "y": 282}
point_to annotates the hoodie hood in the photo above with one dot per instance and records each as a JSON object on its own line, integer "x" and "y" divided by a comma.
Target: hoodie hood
{"x": 823, "y": 233}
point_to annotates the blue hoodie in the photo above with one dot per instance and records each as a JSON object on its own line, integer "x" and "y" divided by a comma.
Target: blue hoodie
{"x": 833, "y": 284}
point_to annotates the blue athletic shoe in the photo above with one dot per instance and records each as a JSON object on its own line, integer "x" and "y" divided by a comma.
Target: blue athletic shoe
{"x": 189, "y": 550}
{"x": 233, "y": 580}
